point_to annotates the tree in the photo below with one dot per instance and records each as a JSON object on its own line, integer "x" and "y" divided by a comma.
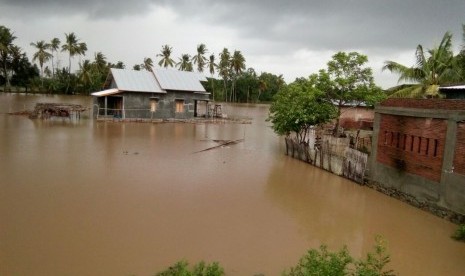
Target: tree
{"x": 165, "y": 55}
{"x": 211, "y": 68}
{"x": 298, "y": 107}
{"x": 348, "y": 81}
{"x": 199, "y": 58}
{"x": 41, "y": 55}
{"x": 71, "y": 46}
{"x": 100, "y": 61}
{"x": 6, "y": 42}
{"x": 224, "y": 69}
{"x": 54, "y": 45}
{"x": 237, "y": 64}
{"x": 184, "y": 63}
{"x": 432, "y": 69}
{"x": 86, "y": 70}
{"x": 148, "y": 64}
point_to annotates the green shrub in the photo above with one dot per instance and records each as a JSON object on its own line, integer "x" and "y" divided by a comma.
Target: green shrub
{"x": 460, "y": 233}
{"x": 323, "y": 262}
{"x": 181, "y": 268}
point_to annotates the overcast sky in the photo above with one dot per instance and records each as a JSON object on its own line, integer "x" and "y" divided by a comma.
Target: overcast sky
{"x": 292, "y": 38}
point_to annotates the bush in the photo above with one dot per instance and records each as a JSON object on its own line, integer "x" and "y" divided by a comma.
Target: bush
{"x": 460, "y": 233}
{"x": 323, "y": 262}
{"x": 201, "y": 269}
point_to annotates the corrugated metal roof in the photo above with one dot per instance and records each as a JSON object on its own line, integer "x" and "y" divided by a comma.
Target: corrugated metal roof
{"x": 140, "y": 81}
{"x": 453, "y": 87}
{"x": 106, "y": 92}
{"x": 179, "y": 80}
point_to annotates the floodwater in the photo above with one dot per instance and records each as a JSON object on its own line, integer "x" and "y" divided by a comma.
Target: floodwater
{"x": 96, "y": 198}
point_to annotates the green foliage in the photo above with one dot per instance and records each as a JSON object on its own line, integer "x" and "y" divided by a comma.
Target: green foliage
{"x": 375, "y": 261}
{"x": 181, "y": 268}
{"x": 433, "y": 68}
{"x": 299, "y": 106}
{"x": 322, "y": 262}
{"x": 460, "y": 233}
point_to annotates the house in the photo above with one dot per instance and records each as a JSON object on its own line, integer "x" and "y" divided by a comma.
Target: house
{"x": 160, "y": 94}
{"x": 453, "y": 91}
{"x": 419, "y": 149}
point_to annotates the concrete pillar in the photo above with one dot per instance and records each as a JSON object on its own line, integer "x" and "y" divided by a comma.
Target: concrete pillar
{"x": 448, "y": 158}
{"x": 106, "y": 106}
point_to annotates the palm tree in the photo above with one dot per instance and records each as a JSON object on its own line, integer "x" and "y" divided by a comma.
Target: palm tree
{"x": 165, "y": 55}
{"x": 223, "y": 68}
{"x": 199, "y": 58}
{"x": 237, "y": 66}
{"x": 6, "y": 42}
{"x": 184, "y": 63}
{"x": 41, "y": 55}
{"x": 73, "y": 47}
{"x": 148, "y": 64}
{"x": 211, "y": 68}
{"x": 54, "y": 45}
{"x": 262, "y": 86}
{"x": 100, "y": 62}
{"x": 428, "y": 73}
{"x": 82, "y": 48}
{"x": 85, "y": 73}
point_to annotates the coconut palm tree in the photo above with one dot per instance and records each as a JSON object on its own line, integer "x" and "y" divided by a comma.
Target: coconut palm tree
{"x": 211, "y": 68}
{"x": 85, "y": 73}
{"x": 54, "y": 45}
{"x": 100, "y": 62}
{"x": 184, "y": 63}
{"x": 200, "y": 58}
{"x": 165, "y": 55}
{"x": 6, "y": 42}
{"x": 41, "y": 55}
{"x": 73, "y": 47}
{"x": 148, "y": 64}
{"x": 224, "y": 69}
{"x": 237, "y": 66}
{"x": 432, "y": 69}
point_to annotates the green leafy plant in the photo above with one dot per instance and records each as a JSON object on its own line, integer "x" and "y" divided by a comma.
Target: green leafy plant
{"x": 459, "y": 233}
{"x": 375, "y": 261}
{"x": 181, "y": 268}
{"x": 323, "y": 262}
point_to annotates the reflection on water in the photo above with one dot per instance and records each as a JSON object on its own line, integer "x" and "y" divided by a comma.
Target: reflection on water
{"x": 95, "y": 198}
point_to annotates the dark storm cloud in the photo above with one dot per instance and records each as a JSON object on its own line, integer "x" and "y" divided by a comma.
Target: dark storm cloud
{"x": 335, "y": 24}
{"x": 318, "y": 25}
{"x": 93, "y": 9}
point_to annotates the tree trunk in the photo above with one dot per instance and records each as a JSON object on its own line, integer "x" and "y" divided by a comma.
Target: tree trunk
{"x": 336, "y": 128}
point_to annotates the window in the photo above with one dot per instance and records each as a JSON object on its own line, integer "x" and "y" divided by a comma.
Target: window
{"x": 153, "y": 105}
{"x": 179, "y": 106}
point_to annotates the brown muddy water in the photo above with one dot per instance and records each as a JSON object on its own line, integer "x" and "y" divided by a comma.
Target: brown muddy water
{"x": 102, "y": 198}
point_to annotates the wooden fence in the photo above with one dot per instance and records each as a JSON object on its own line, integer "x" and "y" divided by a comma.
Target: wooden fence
{"x": 332, "y": 154}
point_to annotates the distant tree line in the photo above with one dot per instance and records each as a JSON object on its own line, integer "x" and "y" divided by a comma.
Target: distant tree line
{"x": 45, "y": 75}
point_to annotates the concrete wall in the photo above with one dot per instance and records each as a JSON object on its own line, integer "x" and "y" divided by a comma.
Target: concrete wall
{"x": 401, "y": 160}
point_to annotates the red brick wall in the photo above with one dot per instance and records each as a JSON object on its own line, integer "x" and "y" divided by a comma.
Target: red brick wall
{"x": 425, "y": 103}
{"x": 356, "y": 117}
{"x": 459, "y": 158}
{"x": 415, "y": 145}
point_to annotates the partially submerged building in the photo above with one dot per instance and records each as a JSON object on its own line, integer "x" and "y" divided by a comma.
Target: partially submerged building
{"x": 419, "y": 149}
{"x": 160, "y": 94}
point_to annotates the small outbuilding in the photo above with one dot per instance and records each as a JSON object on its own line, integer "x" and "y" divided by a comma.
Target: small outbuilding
{"x": 453, "y": 91}
{"x": 161, "y": 94}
